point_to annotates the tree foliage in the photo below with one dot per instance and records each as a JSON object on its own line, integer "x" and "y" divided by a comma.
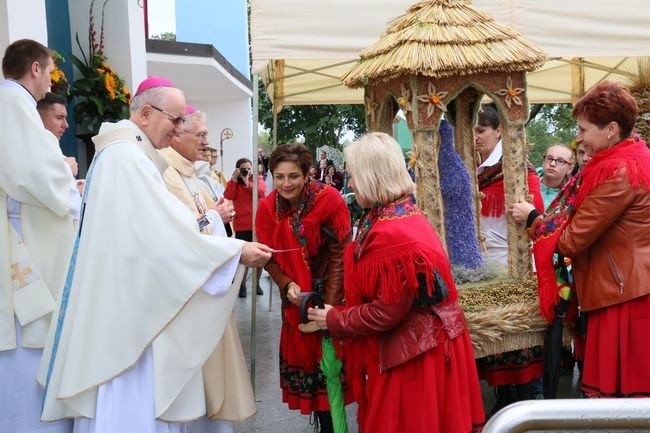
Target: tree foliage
{"x": 317, "y": 125}
{"x": 164, "y": 36}
{"x": 549, "y": 124}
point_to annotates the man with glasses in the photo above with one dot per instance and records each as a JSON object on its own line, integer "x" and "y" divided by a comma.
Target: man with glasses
{"x": 182, "y": 181}
{"x": 36, "y": 233}
{"x": 557, "y": 165}
{"x": 181, "y": 178}
{"x": 148, "y": 296}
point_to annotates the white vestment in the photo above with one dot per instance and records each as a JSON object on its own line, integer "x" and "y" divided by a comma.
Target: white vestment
{"x": 229, "y": 394}
{"x": 208, "y": 176}
{"x": 135, "y": 296}
{"x": 36, "y": 235}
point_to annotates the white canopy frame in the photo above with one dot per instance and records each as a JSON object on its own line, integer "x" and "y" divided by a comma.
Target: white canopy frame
{"x": 300, "y": 49}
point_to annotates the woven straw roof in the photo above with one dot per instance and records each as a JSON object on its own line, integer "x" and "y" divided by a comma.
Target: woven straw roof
{"x": 440, "y": 38}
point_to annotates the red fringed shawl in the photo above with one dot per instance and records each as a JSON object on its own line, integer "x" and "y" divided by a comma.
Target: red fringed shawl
{"x": 394, "y": 244}
{"x": 490, "y": 183}
{"x": 629, "y": 159}
{"x": 281, "y": 227}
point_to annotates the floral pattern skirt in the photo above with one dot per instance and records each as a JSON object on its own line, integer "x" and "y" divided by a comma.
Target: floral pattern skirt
{"x": 304, "y": 386}
{"x": 512, "y": 368}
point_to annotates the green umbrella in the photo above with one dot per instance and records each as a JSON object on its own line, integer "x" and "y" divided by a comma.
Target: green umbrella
{"x": 331, "y": 366}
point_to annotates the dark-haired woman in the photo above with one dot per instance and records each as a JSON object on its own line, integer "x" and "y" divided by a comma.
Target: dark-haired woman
{"x": 240, "y": 190}
{"x": 309, "y": 224}
{"x": 510, "y": 372}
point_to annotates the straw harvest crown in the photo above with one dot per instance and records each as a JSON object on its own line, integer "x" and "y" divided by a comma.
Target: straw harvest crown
{"x": 441, "y": 38}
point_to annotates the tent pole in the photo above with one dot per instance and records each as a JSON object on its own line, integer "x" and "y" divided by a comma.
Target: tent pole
{"x": 274, "y": 144}
{"x": 254, "y": 281}
{"x": 577, "y": 79}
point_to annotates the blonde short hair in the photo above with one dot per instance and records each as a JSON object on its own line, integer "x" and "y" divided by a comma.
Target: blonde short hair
{"x": 378, "y": 168}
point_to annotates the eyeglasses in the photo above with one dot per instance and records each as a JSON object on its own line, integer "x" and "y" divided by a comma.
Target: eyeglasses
{"x": 558, "y": 161}
{"x": 176, "y": 120}
{"x": 201, "y": 135}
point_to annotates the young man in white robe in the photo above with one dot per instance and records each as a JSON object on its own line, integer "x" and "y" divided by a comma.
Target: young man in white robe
{"x": 229, "y": 394}
{"x": 147, "y": 296}
{"x": 36, "y": 234}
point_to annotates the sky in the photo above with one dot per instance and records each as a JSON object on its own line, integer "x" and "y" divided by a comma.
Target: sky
{"x": 161, "y": 16}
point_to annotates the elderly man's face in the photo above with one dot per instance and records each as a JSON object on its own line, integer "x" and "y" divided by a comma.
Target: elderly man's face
{"x": 55, "y": 119}
{"x": 193, "y": 142}
{"x": 163, "y": 128}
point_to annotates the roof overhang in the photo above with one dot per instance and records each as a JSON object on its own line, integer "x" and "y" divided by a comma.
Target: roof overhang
{"x": 201, "y": 71}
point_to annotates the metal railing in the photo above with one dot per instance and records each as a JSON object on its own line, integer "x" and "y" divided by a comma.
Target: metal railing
{"x": 572, "y": 414}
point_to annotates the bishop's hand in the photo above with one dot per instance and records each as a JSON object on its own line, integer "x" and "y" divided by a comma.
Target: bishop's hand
{"x": 255, "y": 254}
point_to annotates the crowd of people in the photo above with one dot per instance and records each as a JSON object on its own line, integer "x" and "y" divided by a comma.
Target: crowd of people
{"x": 117, "y": 290}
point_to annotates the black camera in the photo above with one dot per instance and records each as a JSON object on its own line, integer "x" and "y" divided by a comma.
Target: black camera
{"x": 243, "y": 171}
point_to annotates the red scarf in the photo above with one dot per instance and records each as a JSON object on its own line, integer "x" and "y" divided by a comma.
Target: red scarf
{"x": 281, "y": 227}
{"x": 490, "y": 183}
{"x": 629, "y": 158}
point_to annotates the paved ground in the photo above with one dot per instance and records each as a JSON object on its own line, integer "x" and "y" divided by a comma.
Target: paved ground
{"x": 272, "y": 415}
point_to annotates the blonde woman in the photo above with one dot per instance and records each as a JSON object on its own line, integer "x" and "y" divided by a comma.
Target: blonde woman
{"x": 409, "y": 356}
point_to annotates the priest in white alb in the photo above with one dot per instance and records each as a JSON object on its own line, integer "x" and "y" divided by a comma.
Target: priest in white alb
{"x": 229, "y": 394}
{"x": 37, "y": 206}
{"x": 147, "y": 296}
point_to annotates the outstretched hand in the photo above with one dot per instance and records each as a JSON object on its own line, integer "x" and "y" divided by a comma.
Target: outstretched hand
{"x": 254, "y": 254}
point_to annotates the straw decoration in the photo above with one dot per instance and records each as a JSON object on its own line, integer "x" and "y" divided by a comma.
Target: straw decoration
{"x": 640, "y": 89}
{"x": 503, "y": 316}
{"x": 441, "y": 38}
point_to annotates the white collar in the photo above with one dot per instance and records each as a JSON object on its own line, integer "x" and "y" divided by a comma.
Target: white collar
{"x": 494, "y": 157}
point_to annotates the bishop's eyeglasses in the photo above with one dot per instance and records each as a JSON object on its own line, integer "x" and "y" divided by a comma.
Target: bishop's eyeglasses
{"x": 176, "y": 120}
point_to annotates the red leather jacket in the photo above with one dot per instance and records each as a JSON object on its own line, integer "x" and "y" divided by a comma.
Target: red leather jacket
{"x": 404, "y": 330}
{"x": 609, "y": 242}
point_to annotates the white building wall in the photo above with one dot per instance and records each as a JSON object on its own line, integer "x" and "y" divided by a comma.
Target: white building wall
{"x": 20, "y": 19}
{"x": 124, "y": 43}
{"x": 236, "y": 115}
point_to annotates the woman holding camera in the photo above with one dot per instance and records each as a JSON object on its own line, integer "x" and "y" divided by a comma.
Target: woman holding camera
{"x": 240, "y": 190}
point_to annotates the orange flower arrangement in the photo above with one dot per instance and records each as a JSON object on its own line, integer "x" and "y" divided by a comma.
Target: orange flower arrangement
{"x": 100, "y": 93}
{"x": 59, "y": 82}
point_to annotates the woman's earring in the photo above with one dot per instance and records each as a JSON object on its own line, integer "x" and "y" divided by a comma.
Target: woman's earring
{"x": 609, "y": 137}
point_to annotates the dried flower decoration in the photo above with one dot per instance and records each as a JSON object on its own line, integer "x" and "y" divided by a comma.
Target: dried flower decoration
{"x": 371, "y": 106}
{"x": 511, "y": 93}
{"x": 433, "y": 98}
{"x": 404, "y": 101}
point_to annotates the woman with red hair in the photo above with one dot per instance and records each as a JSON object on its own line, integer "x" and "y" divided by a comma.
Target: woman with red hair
{"x": 601, "y": 221}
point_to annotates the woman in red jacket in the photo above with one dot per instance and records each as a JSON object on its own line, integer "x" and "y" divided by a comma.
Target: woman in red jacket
{"x": 240, "y": 190}
{"x": 409, "y": 356}
{"x": 600, "y": 220}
